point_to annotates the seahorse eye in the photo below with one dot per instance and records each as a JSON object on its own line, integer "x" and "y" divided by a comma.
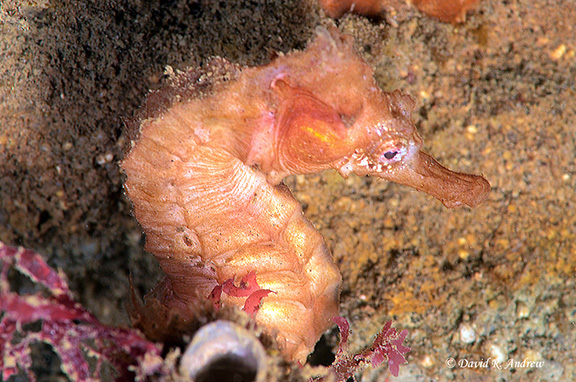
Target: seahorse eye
{"x": 390, "y": 154}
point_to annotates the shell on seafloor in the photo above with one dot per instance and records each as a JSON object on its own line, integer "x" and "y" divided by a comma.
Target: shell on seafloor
{"x": 222, "y": 350}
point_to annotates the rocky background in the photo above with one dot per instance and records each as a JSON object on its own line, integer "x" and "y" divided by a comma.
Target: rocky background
{"x": 495, "y": 95}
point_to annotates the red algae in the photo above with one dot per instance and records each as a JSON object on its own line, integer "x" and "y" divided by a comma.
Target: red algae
{"x": 205, "y": 170}
{"x": 73, "y": 333}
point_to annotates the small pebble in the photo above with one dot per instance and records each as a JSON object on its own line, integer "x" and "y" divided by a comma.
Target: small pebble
{"x": 467, "y": 333}
{"x": 496, "y": 353}
{"x": 522, "y": 310}
{"x": 427, "y": 361}
{"x": 559, "y": 52}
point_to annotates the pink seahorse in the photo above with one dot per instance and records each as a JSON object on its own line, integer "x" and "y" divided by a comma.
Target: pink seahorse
{"x": 205, "y": 173}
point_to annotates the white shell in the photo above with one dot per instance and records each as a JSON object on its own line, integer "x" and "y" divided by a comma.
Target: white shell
{"x": 222, "y": 348}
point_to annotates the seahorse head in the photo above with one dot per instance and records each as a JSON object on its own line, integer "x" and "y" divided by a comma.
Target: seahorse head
{"x": 391, "y": 149}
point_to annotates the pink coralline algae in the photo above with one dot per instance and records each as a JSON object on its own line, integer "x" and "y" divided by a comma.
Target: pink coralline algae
{"x": 248, "y": 288}
{"x": 388, "y": 345}
{"x": 73, "y": 333}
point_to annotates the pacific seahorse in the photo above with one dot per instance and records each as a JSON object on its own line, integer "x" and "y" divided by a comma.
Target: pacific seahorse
{"x": 204, "y": 176}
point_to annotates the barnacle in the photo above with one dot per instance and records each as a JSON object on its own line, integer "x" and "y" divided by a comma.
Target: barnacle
{"x": 204, "y": 175}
